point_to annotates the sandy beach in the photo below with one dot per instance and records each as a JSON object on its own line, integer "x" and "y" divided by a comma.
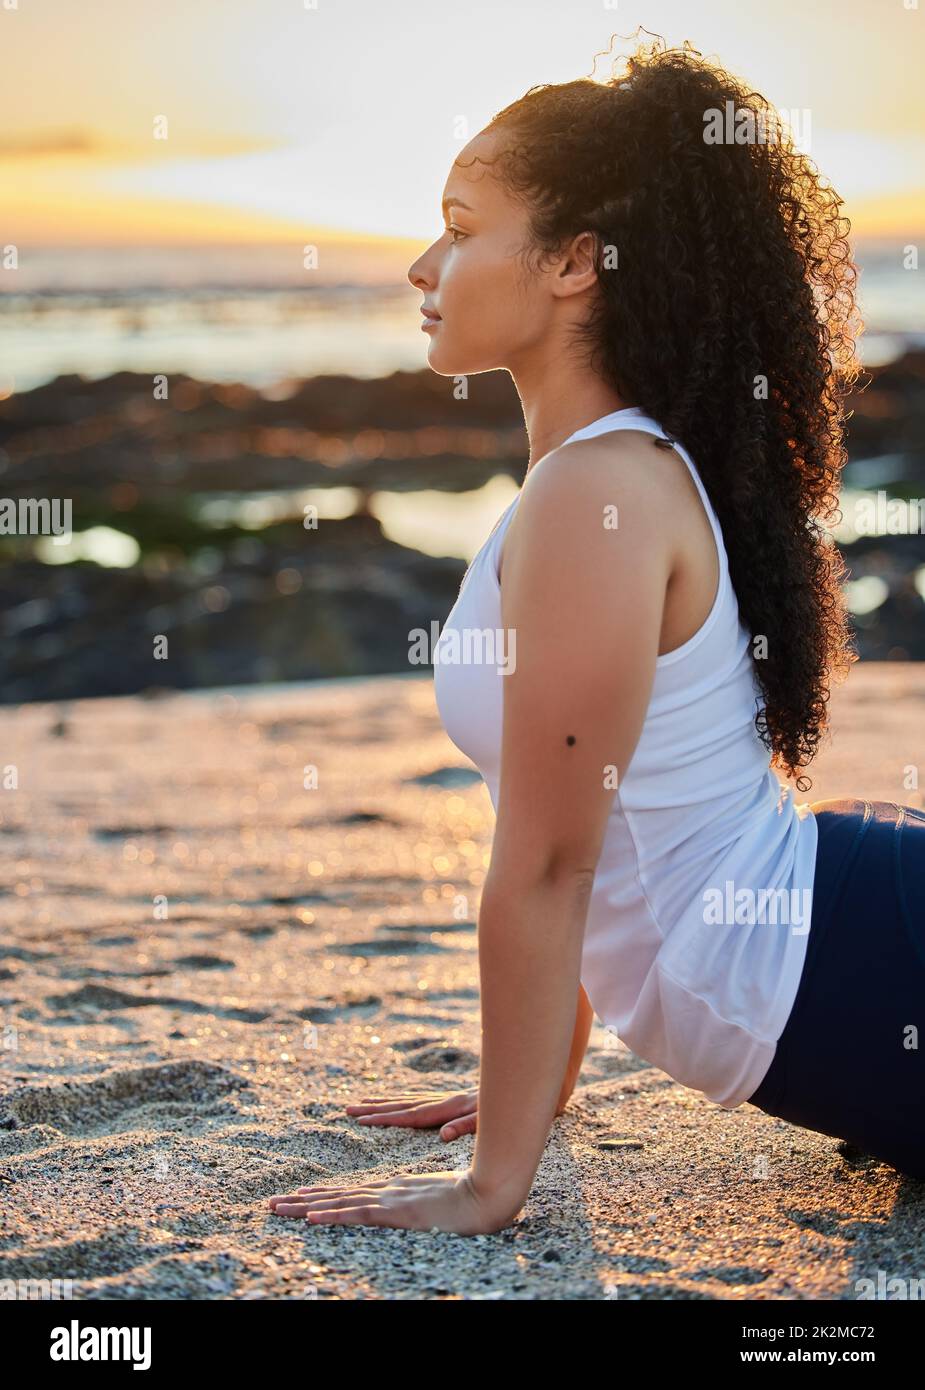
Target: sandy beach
{"x": 203, "y": 960}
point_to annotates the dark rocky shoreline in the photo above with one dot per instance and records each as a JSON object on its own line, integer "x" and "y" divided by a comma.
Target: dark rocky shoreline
{"x": 238, "y": 605}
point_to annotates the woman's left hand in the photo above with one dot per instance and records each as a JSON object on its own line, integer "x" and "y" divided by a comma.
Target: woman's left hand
{"x": 445, "y": 1201}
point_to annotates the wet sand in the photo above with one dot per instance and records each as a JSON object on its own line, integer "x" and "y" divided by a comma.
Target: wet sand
{"x": 203, "y": 960}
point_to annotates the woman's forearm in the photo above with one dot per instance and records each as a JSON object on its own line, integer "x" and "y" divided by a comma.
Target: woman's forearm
{"x": 530, "y": 937}
{"x": 584, "y": 1017}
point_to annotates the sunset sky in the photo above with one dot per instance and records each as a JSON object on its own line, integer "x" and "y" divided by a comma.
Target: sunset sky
{"x": 341, "y": 121}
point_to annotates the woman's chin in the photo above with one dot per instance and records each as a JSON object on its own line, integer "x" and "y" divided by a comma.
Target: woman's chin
{"x": 445, "y": 361}
{"x": 441, "y": 361}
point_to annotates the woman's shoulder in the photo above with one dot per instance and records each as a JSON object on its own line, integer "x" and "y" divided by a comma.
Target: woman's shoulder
{"x": 634, "y": 462}
{"x": 621, "y": 481}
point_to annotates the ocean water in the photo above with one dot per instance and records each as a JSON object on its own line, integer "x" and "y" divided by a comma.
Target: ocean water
{"x": 244, "y": 314}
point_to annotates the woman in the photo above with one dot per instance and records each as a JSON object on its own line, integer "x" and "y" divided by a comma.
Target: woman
{"x": 677, "y": 313}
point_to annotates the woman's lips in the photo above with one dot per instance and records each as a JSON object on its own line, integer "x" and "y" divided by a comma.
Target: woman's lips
{"x": 430, "y": 323}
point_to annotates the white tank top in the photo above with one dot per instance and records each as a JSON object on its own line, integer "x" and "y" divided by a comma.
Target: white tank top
{"x": 700, "y": 910}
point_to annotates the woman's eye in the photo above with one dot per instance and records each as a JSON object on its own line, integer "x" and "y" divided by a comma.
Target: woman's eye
{"x": 454, "y": 231}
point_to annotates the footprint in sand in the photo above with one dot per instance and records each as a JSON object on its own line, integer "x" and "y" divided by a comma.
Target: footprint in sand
{"x": 103, "y": 997}
{"x": 132, "y": 1098}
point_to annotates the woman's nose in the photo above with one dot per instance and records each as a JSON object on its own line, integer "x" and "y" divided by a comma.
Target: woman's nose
{"x": 422, "y": 271}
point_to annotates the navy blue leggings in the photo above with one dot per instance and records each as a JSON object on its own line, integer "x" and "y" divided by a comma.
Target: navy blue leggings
{"x": 851, "y": 1060}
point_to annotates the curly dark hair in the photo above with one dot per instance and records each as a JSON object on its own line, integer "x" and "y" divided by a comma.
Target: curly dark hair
{"x": 731, "y": 319}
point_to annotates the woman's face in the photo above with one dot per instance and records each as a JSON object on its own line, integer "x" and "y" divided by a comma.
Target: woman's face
{"x": 493, "y": 310}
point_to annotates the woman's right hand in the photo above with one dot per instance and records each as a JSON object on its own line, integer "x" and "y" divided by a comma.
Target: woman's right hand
{"x": 454, "y": 1111}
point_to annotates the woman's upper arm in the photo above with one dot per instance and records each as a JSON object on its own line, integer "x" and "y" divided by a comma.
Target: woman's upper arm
{"x": 586, "y": 567}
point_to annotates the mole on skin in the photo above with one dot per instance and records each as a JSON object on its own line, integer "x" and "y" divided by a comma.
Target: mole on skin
{"x": 570, "y": 739}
